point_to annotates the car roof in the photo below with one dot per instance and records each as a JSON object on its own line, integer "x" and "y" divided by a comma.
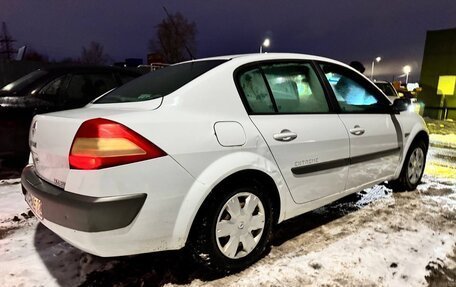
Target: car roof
{"x": 267, "y": 56}
{"x": 241, "y": 59}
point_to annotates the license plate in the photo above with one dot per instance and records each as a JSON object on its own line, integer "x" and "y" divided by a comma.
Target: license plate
{"x": 35, "y": 205}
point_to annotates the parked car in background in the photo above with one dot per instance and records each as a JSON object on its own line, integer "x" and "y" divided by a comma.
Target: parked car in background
{"x": 388, "y": 89}
{"x": 48, "y": 90}
{"x": 211, "y": 154}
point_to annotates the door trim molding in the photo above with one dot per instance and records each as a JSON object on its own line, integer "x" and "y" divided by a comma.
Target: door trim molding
{"x": 343, "y": 162}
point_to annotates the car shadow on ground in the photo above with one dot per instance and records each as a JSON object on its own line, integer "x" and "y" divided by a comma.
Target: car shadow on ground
{"x": 318, "y": 217}
{"x": 176, "y": 267}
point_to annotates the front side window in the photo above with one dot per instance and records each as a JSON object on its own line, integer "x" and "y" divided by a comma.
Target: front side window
{"x": 353, "y": 93}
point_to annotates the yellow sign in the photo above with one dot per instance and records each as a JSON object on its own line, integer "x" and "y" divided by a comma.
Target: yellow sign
{"x": 446, "y": 85}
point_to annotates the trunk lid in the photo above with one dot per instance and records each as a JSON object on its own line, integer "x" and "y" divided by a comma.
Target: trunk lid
{"x": 51, "y": 136}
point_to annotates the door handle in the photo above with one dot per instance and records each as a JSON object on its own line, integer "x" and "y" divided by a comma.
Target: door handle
{"x": 285, "y": 136}
{"x": 357, "y": 130}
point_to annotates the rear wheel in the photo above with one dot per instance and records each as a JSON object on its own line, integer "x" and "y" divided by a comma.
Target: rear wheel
{"x": 412, "y": 170}
{"x": 234, "y": 228}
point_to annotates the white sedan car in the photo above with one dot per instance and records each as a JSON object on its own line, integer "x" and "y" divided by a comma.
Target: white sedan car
{"x": 211, "y": 154}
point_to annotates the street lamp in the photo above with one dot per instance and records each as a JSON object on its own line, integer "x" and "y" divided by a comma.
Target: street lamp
{"x": 378, "y": 59}
{"x": 406, "y": 69}
{"x": 265, "y": 43}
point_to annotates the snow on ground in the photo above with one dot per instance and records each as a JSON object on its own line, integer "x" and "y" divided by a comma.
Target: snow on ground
{"x": 11, "y": 201}
{"x": 373, "y": 238}
{"x": 389, "y": 242}
{"x": 31, "y": 255}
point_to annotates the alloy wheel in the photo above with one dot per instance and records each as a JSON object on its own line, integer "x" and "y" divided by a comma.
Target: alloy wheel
{"x": 415, "y": 165}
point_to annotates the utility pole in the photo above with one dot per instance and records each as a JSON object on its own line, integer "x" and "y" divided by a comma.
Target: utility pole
{"x": 6, "y": 44}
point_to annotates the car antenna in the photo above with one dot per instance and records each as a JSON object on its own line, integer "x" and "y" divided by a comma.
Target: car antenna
{"x": 177, "y": 32}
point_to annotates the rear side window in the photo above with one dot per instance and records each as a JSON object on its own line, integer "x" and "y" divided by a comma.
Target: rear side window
{"x": 159, "y": 83}
{"x": 85, "y": 87}
{"x": 255, "y": 92}
{"x": 53, "y": 88}
{"x": 284, "y": 88}
{"x": 296, "y": 88}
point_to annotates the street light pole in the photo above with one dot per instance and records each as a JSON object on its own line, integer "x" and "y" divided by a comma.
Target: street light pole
{"x": 406, "y": 69}
{"x": 378, "y": 59}
{"x": 265, "y": 43}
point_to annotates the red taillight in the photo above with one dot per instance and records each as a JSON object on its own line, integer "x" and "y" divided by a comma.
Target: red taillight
{"x": 101, "y": 143}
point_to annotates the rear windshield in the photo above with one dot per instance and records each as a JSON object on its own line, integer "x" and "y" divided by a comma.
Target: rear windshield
{"x": 159, "y": 83}
{"x": 24, "y": 81}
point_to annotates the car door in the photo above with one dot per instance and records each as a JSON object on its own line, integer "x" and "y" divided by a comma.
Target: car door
{"x": 288, "y": 105}
{"x": 375, "y": 137}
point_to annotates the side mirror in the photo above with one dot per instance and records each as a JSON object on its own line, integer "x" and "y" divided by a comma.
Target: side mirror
{"x": 401, "y": 105}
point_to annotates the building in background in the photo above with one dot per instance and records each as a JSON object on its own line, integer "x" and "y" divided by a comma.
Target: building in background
{"x": 439, "y": 60}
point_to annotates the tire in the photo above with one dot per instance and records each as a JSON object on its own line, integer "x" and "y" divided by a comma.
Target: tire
{"x": 248, "y": 228}
{"x": 412, "y": 170}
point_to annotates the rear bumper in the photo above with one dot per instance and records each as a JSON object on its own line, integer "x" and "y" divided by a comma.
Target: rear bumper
{"x": 80, "y": 212}
{"x": 158, "y": 223}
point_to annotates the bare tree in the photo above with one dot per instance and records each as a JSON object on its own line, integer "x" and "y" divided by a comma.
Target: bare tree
{"x": 69, "y": 60}
{"x": 34, "y": 55}
{"x": 175, "y": 39}
{"x": 94, "y": 54}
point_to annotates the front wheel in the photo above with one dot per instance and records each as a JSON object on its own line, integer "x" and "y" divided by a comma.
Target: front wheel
{"x": 412, "y": 170}
{"x": 234, "y": 229}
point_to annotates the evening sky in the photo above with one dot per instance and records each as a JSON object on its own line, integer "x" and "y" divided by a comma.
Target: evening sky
{"x": 341, "y": 29}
